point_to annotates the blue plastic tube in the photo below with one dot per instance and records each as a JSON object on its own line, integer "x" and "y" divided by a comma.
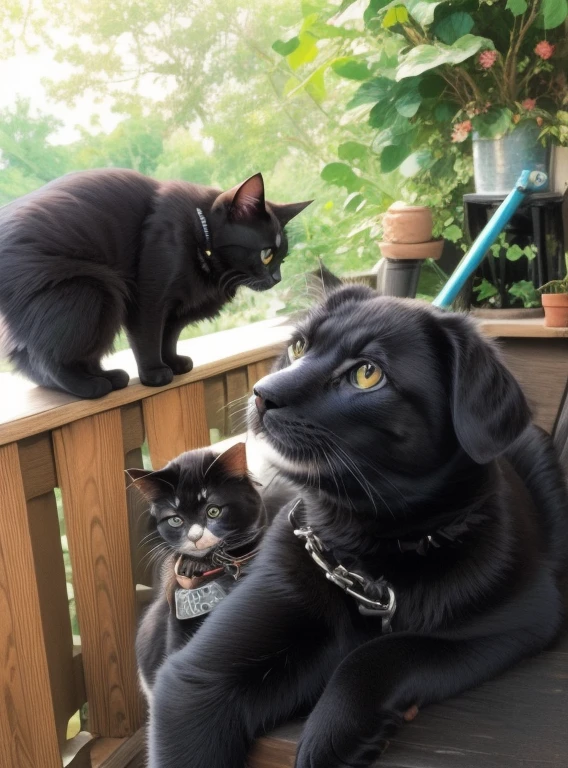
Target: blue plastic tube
{"x": 528, "y": 181}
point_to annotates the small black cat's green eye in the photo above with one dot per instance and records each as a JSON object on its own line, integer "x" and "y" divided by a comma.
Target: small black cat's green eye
{"x": 175, "y": 522}
{"x": 213, "y": 512}
{"x": 266, "y": 255}
{"x": 296, "y": 349}
{"x": 366, "y": 376}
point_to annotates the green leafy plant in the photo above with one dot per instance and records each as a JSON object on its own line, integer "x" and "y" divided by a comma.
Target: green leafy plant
{"x": 428, "y": 73}
{"x": 556, "y": 286}
{"x": 497, "y": 294}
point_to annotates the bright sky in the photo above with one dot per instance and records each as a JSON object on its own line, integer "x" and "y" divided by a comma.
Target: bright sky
{"x": 22, "y": 74}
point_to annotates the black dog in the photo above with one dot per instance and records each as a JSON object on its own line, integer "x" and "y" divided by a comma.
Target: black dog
{"x": 425, "y": 479}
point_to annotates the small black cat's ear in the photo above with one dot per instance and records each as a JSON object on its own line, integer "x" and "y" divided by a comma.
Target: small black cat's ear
{"x": 285, "y": 212}
{"x": 248, "y": 200}
{"x": 151, "y": 484}
{"x": 234, "y": 461}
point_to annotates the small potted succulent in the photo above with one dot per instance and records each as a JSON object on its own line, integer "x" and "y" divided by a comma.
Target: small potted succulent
{"x": 555, "y": 302}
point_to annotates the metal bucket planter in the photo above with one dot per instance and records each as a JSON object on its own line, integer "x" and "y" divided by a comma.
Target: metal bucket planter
{"x": 497, "y": 163}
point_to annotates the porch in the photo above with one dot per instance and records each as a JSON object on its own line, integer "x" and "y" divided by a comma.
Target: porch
{"x": 55, "y": 449}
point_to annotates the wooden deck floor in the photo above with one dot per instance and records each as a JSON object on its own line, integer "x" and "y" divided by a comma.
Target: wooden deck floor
{"x": 519, "y": 720}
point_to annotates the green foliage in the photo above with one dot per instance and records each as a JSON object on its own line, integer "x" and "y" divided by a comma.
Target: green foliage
{"x": 485, "y": 290}
{"x": 526, "y": 292}
{"x": 426, "y": 57}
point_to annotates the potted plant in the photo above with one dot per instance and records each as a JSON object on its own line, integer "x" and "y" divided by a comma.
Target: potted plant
{"x": 505, "y": 282}
{"x": 557, "y": 130}
{"x": 494, "y": 71}
{"x": 554, "y": 295}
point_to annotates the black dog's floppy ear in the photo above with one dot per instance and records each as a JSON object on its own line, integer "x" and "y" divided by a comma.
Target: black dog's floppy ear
{"x": 489, "y": 409}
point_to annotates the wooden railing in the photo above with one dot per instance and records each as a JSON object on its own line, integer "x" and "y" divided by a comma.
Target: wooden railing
{"x": 51, "y": 443}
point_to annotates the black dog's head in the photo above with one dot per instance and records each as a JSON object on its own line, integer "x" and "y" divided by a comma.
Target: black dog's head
{"x": 375, "y": 394}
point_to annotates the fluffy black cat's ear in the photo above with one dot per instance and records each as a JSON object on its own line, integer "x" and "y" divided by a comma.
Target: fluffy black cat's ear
{"x": 285, "y": 212}
{"x": 234, "y": 461}
{"x": 248, "y": 200}
{"x": 489, "y": 409}
{"x": 151, "y": 484}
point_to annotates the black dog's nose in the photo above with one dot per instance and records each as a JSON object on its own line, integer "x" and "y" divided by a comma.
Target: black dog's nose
{"x": 262, "y": 403}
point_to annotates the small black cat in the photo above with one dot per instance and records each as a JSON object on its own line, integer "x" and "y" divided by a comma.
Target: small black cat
{"x": 211, "y": 518}
{"x": 97, "y": 250}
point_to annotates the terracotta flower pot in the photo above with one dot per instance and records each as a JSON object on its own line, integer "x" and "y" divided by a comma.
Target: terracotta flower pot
{"x": 555, "y": 310}
{"x": 407, "y": 224}
{"x": 426, "y": 250}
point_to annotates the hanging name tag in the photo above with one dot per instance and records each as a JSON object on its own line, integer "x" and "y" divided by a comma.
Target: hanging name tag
{"x": 191, "y": 603}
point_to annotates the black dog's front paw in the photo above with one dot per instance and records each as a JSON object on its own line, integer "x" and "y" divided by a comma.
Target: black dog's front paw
{"x": 337, "y": 745}
{"x": 180, "y": 364}
{"x": 312, "y": 753}
{"x": 156, "y": 377}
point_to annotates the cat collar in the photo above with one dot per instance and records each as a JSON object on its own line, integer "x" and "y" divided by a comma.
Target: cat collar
{"x": 351, "y": 583}
{"x": 207, "y": 251}
{"x": 199, "y": 595}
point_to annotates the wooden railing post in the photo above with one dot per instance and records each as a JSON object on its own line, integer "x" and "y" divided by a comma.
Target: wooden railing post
{"x": 175, "y": 422}
{"x": 90, "y": 458}
{"x": 28, "y": 733}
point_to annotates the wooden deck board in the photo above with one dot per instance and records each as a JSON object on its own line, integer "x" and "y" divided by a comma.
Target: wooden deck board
{"x": 515, "y": 721}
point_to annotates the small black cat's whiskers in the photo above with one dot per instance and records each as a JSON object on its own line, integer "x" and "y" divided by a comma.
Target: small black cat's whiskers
{"x": 155, "y": 555}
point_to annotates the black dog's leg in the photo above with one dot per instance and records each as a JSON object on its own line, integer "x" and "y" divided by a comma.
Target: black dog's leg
{"x": 255, "y": 661}
{"x": 367, "y": 697}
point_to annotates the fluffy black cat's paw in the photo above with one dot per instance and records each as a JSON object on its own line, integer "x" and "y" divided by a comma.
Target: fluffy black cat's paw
{"x": 180, "y": 364}
{"x": 156, "y": 377}
{"x": 118, "y": 378}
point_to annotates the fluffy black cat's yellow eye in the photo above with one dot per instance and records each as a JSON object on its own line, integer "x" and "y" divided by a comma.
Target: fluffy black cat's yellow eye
{"x": 175, "y": 522}
{"x": 213, "y": 512}
{"x": 366, "y": 376}
{"x": 266, "y": 255}
{"x": 296, "y": 349}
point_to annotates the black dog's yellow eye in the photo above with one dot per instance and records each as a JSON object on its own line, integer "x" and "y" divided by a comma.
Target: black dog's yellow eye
{"x": 296, "y": 349}
{"x": 366, "y": 376}
{"x": 266, "y": 255}
{"x": 213, "y": 512}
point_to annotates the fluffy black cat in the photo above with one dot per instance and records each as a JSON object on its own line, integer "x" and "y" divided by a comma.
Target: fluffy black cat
{"x": 97, "y": 250}
{"x": 428, "y": 494}
{"x": 211, "y": 519}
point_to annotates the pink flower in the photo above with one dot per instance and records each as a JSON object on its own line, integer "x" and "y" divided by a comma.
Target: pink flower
{"x": 544, "y": 49}
{"x": 482, "y": 110}
{"x": 461, "y": 131}
{"x": 488, "y": 58}
{"x": 529, "y": 104}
